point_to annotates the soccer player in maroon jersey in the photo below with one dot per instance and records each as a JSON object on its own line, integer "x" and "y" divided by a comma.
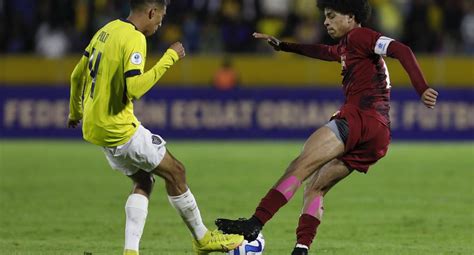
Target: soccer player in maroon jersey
{"x": 357, "y": 135}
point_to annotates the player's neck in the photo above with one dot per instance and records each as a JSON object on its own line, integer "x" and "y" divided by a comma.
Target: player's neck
{"x": 136, "y": 21}
{"x": 353, "y": 27}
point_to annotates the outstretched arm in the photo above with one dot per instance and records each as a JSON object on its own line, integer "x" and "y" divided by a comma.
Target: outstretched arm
{"x": 318, "y": 51}
{"x": 406, "y": 57}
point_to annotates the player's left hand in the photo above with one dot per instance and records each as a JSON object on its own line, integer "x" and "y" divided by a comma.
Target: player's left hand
{"x": 72, "y": 123}
{"x": 178, "y": 47}
{"x": 429, "y": 98}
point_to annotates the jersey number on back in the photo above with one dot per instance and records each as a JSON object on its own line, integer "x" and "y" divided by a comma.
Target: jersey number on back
{"x": 93, "y": 67}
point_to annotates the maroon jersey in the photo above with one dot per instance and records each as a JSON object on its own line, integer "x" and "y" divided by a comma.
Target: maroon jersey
{"x": 366, "y": 81}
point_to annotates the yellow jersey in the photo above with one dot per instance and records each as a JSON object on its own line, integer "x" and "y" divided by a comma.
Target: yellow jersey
{"x": 106, "y": 80}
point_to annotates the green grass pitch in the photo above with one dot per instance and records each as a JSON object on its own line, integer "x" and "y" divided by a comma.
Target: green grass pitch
{"x": 61, "y": 197}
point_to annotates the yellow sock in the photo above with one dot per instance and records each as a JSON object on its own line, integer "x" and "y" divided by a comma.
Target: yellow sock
{"x": 130, "y": 252}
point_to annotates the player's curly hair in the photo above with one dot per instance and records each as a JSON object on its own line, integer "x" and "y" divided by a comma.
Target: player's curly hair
{"x": 361, "y": 9}
{"x": 136, "y": 4}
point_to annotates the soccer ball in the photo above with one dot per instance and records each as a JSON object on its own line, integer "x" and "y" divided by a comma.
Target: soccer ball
{"x": 250, "y": 248}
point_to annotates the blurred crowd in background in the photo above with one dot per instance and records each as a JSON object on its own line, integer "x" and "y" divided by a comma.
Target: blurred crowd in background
{"x": 54, "y": 28}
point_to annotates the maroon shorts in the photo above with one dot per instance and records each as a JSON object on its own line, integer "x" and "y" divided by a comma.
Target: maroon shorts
{"x": 368, "y": 138}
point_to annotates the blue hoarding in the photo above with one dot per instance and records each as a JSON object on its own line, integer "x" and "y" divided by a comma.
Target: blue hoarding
{"x": 248, "y": 113}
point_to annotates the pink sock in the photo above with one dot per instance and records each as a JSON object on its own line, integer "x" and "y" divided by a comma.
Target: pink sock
{"x": 276, "y": 198}
{"x": 314, "y": 207}
{"x": 288, "y": 187}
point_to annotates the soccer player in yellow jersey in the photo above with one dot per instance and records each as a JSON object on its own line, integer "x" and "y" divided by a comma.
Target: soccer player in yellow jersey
{"x": 103, "y": 84}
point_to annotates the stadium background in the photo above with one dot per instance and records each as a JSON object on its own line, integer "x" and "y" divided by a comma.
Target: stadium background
{"x": 275, "y": 96}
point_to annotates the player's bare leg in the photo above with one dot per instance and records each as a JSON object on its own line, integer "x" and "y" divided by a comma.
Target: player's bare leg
{"x": 174, "y": 174}
{"x": 136, "y": 210}
{"x": 181, "y": 198}
{"x": 315, "y": 190}
{"x": 320, "y": 148}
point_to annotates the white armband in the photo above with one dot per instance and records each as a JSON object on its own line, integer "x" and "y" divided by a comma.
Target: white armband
{"x": 381, "y": 46}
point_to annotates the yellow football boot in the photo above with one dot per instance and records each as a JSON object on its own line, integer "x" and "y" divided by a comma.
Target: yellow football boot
{"x": 216, "y": 241}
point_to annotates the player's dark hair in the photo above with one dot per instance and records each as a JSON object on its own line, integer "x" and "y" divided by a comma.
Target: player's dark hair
{"x": 361, "y": 9}
{"x": 137, "y": 4}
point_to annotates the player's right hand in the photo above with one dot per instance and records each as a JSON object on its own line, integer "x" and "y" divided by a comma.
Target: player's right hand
{"x": 72, "y": 123}
{"x": 275, "y": 43}
{"x": 178, "y": 47}
{"x": 429, "y": 98}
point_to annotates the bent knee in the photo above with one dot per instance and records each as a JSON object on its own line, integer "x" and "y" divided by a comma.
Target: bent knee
{"x": 305, "y": 164}
{"x": 314, "y": 188}
{"x": 176, "y": 174}
{"x": 179, "y": 170}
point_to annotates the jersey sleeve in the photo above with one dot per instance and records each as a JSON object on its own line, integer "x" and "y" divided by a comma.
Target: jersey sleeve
{"x": 78, "y": 80}
{"x": 368, "y": 42}
{"x": 318, "y": 51}
{"x": 135, "y": 56}
{"x": 406, "y": 57}
{"x": 138, "y": 82}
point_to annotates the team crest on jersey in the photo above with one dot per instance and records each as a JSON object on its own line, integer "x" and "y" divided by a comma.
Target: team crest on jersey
{"x": 136, "y": 58}
{"x": 155, "y": 140}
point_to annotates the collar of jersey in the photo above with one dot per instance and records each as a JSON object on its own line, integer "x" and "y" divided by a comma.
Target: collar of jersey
{"x": 129, "y": 22}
